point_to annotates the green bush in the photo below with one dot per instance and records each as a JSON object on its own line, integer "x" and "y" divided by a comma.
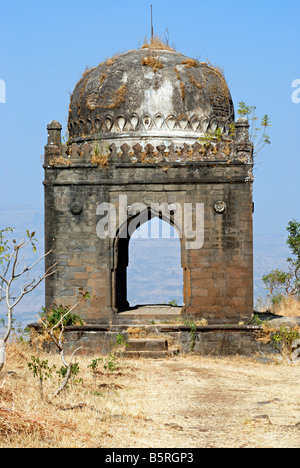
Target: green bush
{"x": 52, "y": 317}
{"x": 284, "y": 337}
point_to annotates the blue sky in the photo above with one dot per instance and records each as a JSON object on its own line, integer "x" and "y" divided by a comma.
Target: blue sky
{"x": 46, "y": 46}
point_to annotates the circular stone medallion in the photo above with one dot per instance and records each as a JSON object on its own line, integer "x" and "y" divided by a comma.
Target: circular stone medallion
{"x": 76, "y": 208}
{"x": 220, "y": 206}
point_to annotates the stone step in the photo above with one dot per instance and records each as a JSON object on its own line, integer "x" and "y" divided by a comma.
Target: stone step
{"x": 149, "y": 348}
{"x": 144, "y": 344}
{"x": 144, "y": 319}
{"x": 146, "y": 354}
{"x": 148, "y": 313}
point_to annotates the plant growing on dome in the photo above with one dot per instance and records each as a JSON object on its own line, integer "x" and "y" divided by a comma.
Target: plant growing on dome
{"x": 258, "y": 131}
{"x": 157, "y": 43}
{"x": 100, "y": 153}
{"x": 217, "y": 136}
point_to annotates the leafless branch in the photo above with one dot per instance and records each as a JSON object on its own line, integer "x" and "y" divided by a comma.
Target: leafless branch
{"x": 69, "y": 370}
{"x": 58, "y": 341}
{"x": 8, "y": 277}
{"x": 26, "y": 269}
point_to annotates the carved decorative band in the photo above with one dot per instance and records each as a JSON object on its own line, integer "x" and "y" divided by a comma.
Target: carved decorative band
{"x": 160, "y": 123}
{"x": 103, "y": 154}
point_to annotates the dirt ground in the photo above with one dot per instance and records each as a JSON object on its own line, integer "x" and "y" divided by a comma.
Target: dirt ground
{"x": 177, "y": 402}
{"x": 206, "y": 402}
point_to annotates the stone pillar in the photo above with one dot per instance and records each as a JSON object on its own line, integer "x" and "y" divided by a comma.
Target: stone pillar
{"x": 53, "y": 147}
{"x": 54, "y": 133}
{"x": 242, "y": 129}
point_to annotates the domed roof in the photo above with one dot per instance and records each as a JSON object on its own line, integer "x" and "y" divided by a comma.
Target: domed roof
{"x": 149, "y": 93}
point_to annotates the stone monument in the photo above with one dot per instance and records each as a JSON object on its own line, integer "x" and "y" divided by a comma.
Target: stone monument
{"x": 152, "y": 132}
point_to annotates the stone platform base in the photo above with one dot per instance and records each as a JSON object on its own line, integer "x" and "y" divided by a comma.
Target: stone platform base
{"x": 165, "y": 339}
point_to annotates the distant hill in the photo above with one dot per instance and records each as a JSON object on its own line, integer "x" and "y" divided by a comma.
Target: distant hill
{"x": 148, "y": 281}
{"x": 154, "y": 274}
{"x": 270, "y": 252}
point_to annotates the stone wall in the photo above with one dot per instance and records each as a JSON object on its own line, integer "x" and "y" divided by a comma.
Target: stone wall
{"x": 208, "y": 340}
{"x": 218, "y": 272}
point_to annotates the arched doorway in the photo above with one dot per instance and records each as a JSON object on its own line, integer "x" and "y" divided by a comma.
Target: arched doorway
{"x": 148, "y": 264}
{"x": 154, "y": 274}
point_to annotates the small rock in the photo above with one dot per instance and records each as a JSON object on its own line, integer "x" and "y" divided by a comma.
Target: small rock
{"x": 174, "y": 426}
{"x": 267, "y": 402}
{"x": 262, "y": 417}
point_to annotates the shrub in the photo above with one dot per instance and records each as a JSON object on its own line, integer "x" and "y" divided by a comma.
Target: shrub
{"x": 52, "y": 317}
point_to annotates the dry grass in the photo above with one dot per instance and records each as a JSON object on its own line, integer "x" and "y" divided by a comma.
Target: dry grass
{"x": 100, "y": 155}
{"x": 153, "y": 61}
{"x": 181, "y": 84}
{"x": 109, "y": 61}
{"x": 219, "y": 72}
{"x": 137, "y": 332}
{"x": 184, "y": 402}
{"x": 54, "y": 161}
{"x": 289, "y": 307}
{"x": 156, "y": 43}
{"x": 107, "y": 102}
{"x": 84, "y": 80}
{"x": 182, "y": 90}
{"x": 102, "y": 79}
{"x": 190, "y": 63}
{"x": 100, "y": 160}
{"x": 119, "y": 97}
{"x": 177, "y": 73}
{"x": 194, "y": 82}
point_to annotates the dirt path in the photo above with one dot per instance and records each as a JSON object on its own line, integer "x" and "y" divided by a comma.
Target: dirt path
{"x": 180, "y": 402}
{"x": 200, "y": 402}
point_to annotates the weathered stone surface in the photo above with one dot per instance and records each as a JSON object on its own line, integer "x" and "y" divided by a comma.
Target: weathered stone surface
{"x": 210, "y": 340}
{"x": 147, "y": 345}
{"x": 135, "y": 136}
{"x": 128, "y": 95}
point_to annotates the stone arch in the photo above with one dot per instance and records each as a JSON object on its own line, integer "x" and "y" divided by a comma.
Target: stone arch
{"x": 121, "y": 252}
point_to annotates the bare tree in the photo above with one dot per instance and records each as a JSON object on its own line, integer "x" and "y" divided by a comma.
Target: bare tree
{"x": 58, "y": 339}
{"x": 13, "y": 272}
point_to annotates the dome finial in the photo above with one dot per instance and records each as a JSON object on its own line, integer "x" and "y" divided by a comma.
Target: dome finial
{"x": 152, "y": 36}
